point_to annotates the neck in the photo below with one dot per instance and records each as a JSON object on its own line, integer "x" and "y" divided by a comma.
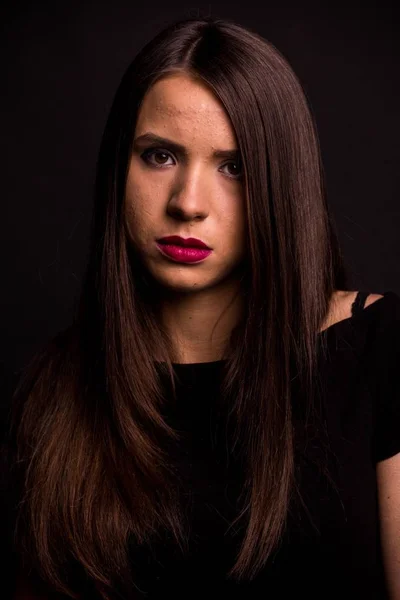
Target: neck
{"x": 201, "y": 323}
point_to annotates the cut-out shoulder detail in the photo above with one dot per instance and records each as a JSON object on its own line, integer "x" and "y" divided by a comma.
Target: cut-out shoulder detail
{"x": 342, "y": 307}
{"x": 372, "y": 298}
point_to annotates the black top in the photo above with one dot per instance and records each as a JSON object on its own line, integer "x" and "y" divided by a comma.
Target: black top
{"x": 336, "y": 552}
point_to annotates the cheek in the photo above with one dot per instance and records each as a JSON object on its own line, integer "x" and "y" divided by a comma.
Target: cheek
{"x": 234, "y": 221}
{"x": 132, "y": 208}
{"x": 138, "y": 220}
{"x": 139, "y": 208}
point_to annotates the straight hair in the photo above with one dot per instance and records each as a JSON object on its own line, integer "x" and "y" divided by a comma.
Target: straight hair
{"x": 88, "y": 439}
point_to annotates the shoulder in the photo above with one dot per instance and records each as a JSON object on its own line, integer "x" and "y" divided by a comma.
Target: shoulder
{"x": 344, "y": 300}
{"x": 341, "y": 306}
{"x": 371, "y": 325}
{"x": 373, "y": 298}
{"x": 383, "y": 307}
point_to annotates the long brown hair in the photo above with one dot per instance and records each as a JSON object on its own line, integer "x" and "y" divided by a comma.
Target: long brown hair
{"x": 88, "y": 428}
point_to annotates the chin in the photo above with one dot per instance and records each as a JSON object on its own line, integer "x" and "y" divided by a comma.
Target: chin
{"x": 182, "y": 285}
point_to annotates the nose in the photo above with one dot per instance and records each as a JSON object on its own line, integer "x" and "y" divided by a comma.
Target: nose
{"x": 189, "y": 198}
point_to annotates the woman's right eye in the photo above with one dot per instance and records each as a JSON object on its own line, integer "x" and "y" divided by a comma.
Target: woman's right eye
{"x": 156, "y": 157}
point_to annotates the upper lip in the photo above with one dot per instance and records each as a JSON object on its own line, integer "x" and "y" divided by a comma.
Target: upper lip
{"x": 179, "y": 241}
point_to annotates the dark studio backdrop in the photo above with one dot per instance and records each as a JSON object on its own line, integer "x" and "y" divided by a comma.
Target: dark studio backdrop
{"x": 61, "y": 63}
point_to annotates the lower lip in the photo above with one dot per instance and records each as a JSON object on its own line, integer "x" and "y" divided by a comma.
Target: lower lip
{"x": 183, "y": 254}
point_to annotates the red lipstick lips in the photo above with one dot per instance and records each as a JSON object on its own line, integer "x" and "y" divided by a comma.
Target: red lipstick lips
{"x": 182, "y": 250}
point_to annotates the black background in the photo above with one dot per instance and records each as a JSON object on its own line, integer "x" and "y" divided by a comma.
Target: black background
{"x": 61, "y": 63}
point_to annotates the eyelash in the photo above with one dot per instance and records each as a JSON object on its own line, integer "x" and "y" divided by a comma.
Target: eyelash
{"x": 151, "y": 151}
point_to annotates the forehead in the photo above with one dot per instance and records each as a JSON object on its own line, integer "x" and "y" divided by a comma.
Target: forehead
{"x": 182, "y": 105}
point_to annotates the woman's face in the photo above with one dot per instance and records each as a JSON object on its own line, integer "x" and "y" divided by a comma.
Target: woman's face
{"x": 185, "y": 180}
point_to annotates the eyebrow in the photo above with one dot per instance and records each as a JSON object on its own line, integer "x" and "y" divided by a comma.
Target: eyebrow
{"x": 151, "y": 138}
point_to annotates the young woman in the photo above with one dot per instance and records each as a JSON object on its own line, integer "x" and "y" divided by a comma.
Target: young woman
{"x": 222, "y": 417}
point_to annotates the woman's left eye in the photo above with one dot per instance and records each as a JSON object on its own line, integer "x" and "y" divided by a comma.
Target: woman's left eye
{"x": 237, "y": 172}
